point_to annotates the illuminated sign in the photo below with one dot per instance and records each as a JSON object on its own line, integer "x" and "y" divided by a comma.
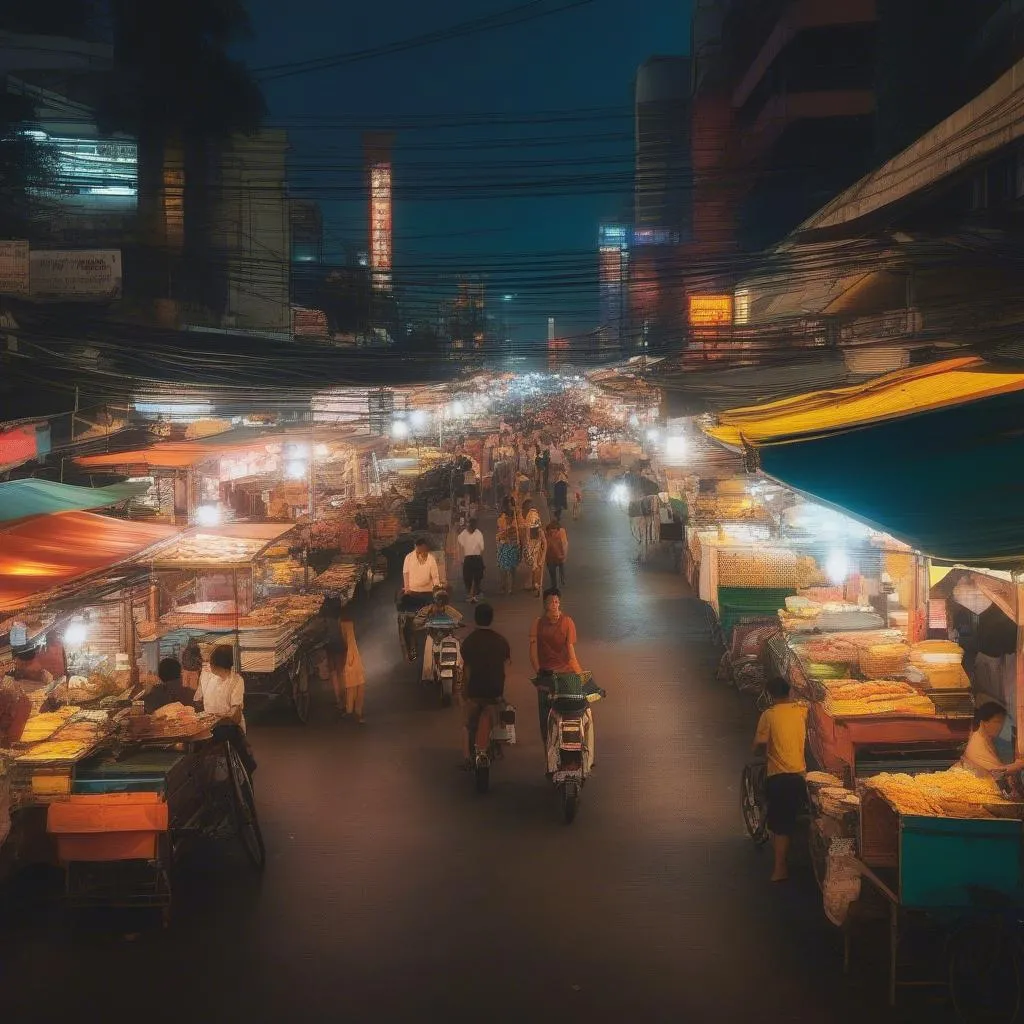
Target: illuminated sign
{"x": 380, "y": 225}
{"x": 742, "y": 311}
{"x": 711, "y": 310}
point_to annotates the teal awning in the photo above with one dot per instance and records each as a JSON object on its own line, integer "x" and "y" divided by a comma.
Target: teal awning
{"x": 20, "y": 499}
{"x": 949, "y": 482}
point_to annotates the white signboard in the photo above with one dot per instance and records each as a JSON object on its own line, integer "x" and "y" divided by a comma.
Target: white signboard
{"x": 14, "y": 265}
{"x": 75, "y": 275}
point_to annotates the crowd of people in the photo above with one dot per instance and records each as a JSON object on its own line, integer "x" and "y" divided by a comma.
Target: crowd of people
{"x": 530, "y": 473}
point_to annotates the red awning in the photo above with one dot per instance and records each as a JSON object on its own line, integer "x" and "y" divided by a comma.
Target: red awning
{"x": 46, "y": 552}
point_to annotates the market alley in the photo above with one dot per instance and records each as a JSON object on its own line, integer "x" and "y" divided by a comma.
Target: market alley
{"x": 393, "y": 892}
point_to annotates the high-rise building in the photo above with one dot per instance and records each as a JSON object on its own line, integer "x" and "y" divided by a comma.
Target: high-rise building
{"x": 378, "y": 147}
{"x": 663, "y": 210}
{"x": 613, "y": 271}
{"x": 307, "y": 228}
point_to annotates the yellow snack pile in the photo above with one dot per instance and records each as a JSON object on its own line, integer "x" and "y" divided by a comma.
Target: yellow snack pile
{"x": 951, "y": 794}
{"x": 42, "y": 727}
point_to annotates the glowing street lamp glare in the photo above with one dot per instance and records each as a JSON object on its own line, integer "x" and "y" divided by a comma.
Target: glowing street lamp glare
{"x": 207, "y": 515}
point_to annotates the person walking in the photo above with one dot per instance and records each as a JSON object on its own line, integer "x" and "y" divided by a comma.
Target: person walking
{"x": 471, "y": 546}
{"x": 557, "y": 543}
{"x": 560, "y": 493}
{"x": 509, "y": 552}
{"x": 352, "y": 698}
{"x": 535, "y": 547}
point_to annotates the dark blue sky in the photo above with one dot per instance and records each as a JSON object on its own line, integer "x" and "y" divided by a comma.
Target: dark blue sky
{"x": 469, "y": 198}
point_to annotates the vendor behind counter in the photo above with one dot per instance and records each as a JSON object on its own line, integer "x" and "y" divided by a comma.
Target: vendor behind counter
{"x": 41, "y": 662}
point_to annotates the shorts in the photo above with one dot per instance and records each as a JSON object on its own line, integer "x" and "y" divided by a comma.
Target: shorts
{"x": 786, "y": 796}
{"x": 473, "y": 570}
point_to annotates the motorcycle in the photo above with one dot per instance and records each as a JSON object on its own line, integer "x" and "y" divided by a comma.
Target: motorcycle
{"x": 569, "y": 759}
{"x": 501, "y": 732}
{"x": 446, "y": 656}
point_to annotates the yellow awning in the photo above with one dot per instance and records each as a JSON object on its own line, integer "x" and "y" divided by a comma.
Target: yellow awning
{"x": 950, "y": 382}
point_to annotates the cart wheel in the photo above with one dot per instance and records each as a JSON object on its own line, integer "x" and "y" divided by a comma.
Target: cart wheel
{"x": 245, "y": 810}
{"x": 984, "y": 972}
{"x": 752, "y": 801}
{"x": 301, "y": 698}
{"x": 570, "y": 793}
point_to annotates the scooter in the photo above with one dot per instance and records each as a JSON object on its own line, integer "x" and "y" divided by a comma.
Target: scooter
{"x": 446, "y": 658}
{"x": 502, "y": 732}
{"x": 569, "y": 760}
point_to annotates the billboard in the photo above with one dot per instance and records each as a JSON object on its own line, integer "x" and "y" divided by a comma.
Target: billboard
{"x": 380, "y": 225}
{"x": 14, "y": 268}
{"x": 75, "y": 275}
{"x": 711, "y": 311}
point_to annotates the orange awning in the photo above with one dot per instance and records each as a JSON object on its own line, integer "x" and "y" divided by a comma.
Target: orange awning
{"x": 182, "y": 454}
{"x": 46, "y": 552}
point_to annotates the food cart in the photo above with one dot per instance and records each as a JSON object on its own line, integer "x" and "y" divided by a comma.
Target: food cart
{"x": 138, "y": 800}
{"x": 947, "y": 847}
{"x": 217, "y": 586}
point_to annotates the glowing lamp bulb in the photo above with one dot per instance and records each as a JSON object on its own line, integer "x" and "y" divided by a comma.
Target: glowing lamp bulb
{"x": 675, "y": 448}
{"x": 399, "y": 429}
{"x": 837, "y": 565}
{"x": 296, "y": 470}
{"x": 75, "y": 634}
{"x": 207, "y": 515}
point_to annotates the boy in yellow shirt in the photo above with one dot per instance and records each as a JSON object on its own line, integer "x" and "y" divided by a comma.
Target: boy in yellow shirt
{"x": 781, "y": 736}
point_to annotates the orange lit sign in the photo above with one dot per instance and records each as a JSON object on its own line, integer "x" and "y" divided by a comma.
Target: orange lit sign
{"x": 380, "y": 224}
{"x": 711, "y": 310}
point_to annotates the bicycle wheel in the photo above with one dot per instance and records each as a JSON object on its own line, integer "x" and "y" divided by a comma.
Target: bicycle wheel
{"x": 984, "y": 972}
{"x": 245, "y": 811}
{"x": 752, "y": 801}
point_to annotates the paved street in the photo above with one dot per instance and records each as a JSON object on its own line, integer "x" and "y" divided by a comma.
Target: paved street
{"x": 394, "y": 893}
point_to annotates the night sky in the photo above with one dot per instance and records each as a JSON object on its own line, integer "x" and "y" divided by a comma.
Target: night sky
{"x": 519, "y": 202}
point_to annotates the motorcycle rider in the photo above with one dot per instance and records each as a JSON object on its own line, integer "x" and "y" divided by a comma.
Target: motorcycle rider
{"x": 486, "y": 655}
{"x": 553, "y": 651}
{"x": 420, "y": 578}
{"x": 438, "y": 607}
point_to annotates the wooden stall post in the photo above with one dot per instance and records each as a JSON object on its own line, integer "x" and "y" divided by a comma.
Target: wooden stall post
{"x": 238, "y": 640}
{"x": 312, "y": 476}
{"x": 1018, "y": 589}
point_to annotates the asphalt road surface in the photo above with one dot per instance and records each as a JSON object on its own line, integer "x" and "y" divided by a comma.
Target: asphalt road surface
{"x": 393, "y": 892}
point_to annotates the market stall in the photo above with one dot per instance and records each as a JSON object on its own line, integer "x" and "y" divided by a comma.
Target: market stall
{"x": 246, "y": 473}
{"x": 236, "y": 584}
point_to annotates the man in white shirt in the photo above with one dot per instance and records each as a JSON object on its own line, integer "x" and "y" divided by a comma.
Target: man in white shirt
{"x": 420, "y": 577}
{"x": 471, "y": 547}
{"x": 221, "y": 688}
{"x": 222, "y": 691}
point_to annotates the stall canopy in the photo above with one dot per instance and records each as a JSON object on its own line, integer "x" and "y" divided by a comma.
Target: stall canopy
{"x": 183, "y": 454}
{"x": 232, "y": 545}
{"x": 48, "y": 552}
{"x": 937, "y": 386}
{"x": 20, "y": 499}
{"x": 945, "y": 481}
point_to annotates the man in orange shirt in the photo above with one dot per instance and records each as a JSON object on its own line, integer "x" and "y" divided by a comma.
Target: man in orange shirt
{"x": 552, "y": 648}
{"x": 781, "y": 736}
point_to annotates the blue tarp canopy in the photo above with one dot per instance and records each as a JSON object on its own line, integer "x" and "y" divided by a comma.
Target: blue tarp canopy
{"x": 20, "y": 499}
{"x": 949, "y": 482}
